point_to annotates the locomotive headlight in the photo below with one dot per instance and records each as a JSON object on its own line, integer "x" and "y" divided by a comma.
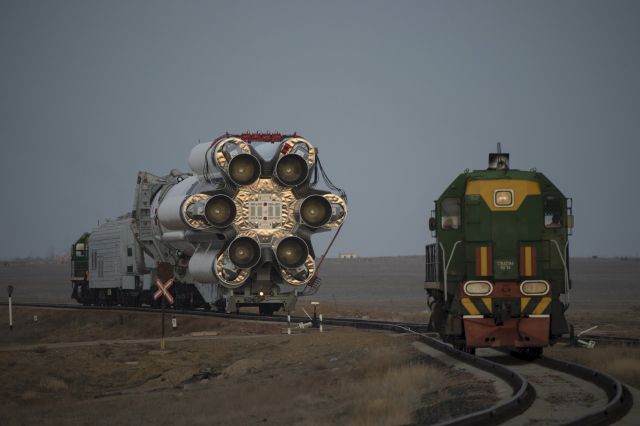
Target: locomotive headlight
{"x": 503, "y": 198}
{"x": 534, "y": 288}
{"x": 478, "y": 288}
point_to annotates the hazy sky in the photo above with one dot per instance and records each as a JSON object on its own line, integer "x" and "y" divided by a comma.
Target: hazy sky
{"x": 399, "y": 97}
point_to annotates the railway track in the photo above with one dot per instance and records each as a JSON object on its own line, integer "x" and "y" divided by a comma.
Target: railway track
{"x": 350, "y": 322}
{"x": 567, "y": 393}
{"x": 545, "y": 391}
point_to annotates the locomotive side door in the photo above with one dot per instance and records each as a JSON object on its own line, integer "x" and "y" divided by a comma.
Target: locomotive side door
{"x": 477, "y": 220}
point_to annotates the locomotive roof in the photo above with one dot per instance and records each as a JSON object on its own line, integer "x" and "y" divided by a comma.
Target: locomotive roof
{"x": 503, "y": 174}
{"x": 458, "y": 186}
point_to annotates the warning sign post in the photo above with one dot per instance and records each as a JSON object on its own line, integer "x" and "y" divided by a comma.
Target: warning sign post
{"x": 10, "y": 291}
{"x": 164, "y": 283}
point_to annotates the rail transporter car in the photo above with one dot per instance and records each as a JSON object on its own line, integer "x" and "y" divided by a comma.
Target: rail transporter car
{"x": 234, "y": 232}
{"x": 498, "y": 273}
{"x": 106, "y": 271}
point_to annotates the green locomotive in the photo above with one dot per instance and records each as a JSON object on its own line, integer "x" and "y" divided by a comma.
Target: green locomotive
{"x": 80, "y": 266}
{"x": 498, "y": 273}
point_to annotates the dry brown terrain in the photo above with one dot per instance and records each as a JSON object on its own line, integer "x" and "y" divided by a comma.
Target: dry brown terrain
{"x": 246, "y": 373}
{"x": 619, "y": 361}
{"x": 250, "y": 373}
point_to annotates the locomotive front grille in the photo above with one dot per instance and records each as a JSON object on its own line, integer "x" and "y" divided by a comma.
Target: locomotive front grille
{"x": 503, "y": 308}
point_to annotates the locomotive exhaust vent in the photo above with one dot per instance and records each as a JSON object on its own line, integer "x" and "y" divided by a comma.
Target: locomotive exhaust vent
{"x": 498, "y": 160}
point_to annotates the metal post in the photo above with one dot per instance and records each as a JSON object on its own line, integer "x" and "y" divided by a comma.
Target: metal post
{"x": 314, "y": 320}
{"x": 320, "y": 323}
{"x": 315, "y": 317}
{"x": 289, "y": 324}
{"x": 162, "y": 326}
{"x": 165, "y": 277}
{"x": 10, "y": 315}
{"x": 10, "y": 291}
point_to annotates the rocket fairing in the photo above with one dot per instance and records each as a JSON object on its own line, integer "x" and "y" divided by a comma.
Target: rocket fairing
{"x": 241, "y": 221}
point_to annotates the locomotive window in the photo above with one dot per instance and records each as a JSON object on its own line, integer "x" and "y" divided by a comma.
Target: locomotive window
{"x": 552, "y": 212}
{"x": 450, "y": 213}
{"x": 80, "y": 250}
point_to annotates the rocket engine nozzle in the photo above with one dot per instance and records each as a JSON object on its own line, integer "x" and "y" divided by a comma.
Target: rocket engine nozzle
{"x": 244, "y": 252}
{"x": 315, "y": 211}
{"x": 202, "y": 210}
{"x": 292, "y": 170}
{"x": 220, "y": 211}
{"x": 244, "y": 169}
{"x": 292, "y": 252}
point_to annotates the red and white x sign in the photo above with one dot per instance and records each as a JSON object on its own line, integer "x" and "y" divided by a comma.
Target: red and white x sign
{"x": 163, "y": 290}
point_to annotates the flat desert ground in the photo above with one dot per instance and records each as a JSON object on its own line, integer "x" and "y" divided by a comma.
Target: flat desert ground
{"x": 606, "y": 291}
{"x": 74, "y": 367}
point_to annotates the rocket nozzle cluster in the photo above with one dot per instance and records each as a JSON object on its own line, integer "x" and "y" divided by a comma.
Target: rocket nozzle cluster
{"x": 263, "y": 209}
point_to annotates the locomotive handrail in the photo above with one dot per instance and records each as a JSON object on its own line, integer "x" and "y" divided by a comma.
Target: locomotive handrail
{"x": 566, "y": 271}
{"x": 446, "y": 265}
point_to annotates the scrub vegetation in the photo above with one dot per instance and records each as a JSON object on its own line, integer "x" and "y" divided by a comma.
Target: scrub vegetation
{"x": 619, "y": 361}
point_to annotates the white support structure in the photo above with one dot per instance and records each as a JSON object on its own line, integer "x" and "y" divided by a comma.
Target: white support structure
{"x": 566, "y": 270}
{"x": 10, "y": 315}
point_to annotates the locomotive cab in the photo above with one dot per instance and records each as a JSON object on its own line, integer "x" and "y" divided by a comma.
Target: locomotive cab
{"x": 79, "y": 265}
{"x": 498, "y": 273}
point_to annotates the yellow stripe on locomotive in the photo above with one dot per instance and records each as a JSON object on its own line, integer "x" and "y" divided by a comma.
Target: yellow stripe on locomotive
{"x": 521, "y": 306}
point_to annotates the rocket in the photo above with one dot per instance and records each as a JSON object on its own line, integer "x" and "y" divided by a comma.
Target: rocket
{"x": 240, "y": 225}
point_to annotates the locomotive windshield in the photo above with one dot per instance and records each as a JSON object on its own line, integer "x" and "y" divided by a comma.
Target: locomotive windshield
{"x": 450, "y": 213}
{"x": 552, "y": 212}
{"x": 80, "y": 250}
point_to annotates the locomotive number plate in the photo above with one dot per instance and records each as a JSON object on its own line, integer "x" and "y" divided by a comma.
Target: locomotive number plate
{"x": 505, "y": 265}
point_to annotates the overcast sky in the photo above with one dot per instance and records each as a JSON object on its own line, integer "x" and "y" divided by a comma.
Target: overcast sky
{"x": 399, "y": 97}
